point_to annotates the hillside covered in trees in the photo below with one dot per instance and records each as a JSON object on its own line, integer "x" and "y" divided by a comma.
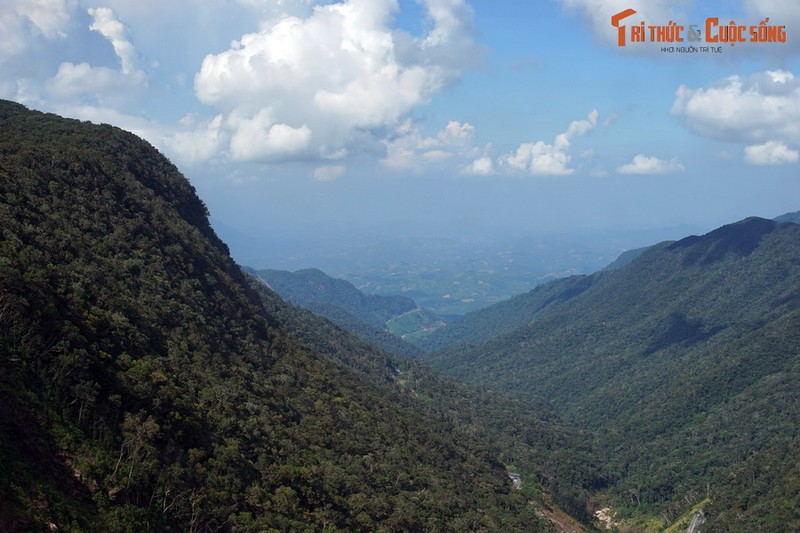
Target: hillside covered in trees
{"x": 147, "y": 383}
{"x": 145, "y": 386}
{"x": 381, "y": 319}
{"x": 367, "y": 315}
{"x": 684, "y": 362}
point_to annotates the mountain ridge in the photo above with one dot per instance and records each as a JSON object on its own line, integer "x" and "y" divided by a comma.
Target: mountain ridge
{"x": 664, "y": 355}
{"x": 383, "y": 320}
{"x": 144, "y": 385}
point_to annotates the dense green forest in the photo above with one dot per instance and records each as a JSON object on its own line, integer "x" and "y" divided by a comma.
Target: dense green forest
{"x": 370, "y": 316}
{"x": 506, "y": 316}
{"x": 145, "y": 386}
{"x": 685, "y": 363}
{"x": 312, "y": 286}
{"x": 530, "y": 436}
{"x": 148, "y": 383}
{"x": 338, "y": 300}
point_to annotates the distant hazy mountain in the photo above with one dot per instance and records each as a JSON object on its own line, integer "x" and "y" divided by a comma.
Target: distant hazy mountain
{"x": 383, "y": 320}
{"x": 789, "y": 217}
{"x": 686, "y": 361}
{"x": 625, "y": 258}
{"x": 450, "y": 275}
{"x": 312, "y": 286}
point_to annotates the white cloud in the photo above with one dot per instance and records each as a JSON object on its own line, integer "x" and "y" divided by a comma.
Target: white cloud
{"x": 22, "y": 21}
{"x": 105, "y": 22}
{"x": 408, "y": 148}
{"x": 770, "y": 153}
{"x": 483, "y": 166}
{"x": 437, "y": 155}
{"x": 193, "y": 143}
{"x": 102, "y": 86}
{"x": 759, "y": 108}
{"x": 457, "y": 133}
{"x": 551, "y": 159}
{"x": 260, "y": 137}
{"x": 642, "y": 164}
{"x": 598, "y": 14}
{"x": 328, "y": 172}
{"x": 761, "y": 111}
{"x": 336, "y": 75}
{"x": 781, "y": 13}
{"x": 540, "y": 158}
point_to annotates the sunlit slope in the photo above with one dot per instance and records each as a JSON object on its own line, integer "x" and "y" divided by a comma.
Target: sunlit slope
{"x": 685, "y": 361}
{"x": 144, "y": 386}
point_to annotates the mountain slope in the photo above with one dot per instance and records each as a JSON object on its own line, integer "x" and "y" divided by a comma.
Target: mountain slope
{"x": 312, "y": 286}
{"x": 484, "y": 324}
{"x": 368, "y": 316}
{"x": 542, "y": 448}
{"x": 144, "y": 386}
{"x": 793, "y": 217}
{"x": 683, "y": 360}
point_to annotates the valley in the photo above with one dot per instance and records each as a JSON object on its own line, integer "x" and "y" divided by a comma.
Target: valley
{"x": 149, "y": 382}
{"x": 656, "y": 355}
{"x": 454, "y": 276}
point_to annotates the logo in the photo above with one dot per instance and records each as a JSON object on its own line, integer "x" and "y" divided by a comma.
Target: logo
{"x": 710, "y": 32}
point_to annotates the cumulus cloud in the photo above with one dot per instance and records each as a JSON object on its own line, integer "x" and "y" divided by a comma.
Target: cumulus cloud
{"x": 104, "y": 86}
{"x": 483, "y": 166}
{"x": 457, "y": 133}
{"x": 770, "y": 153}
{"x": 598, "y": 14}
{"x": 332, "y": 77}
{"x": 261, "y": 136}
{"x": 195, "y": 141}
{"x": 85, "y": 83}
{"x": 22, "y": 21}
{"x": 763, "y": 106}
{"x": 408, "y": 148}
{"x": 105, "y": 22}
{"x": 551, "y": 159}
{"x": 642, "y": 164}
{"x": 762, "y": 109}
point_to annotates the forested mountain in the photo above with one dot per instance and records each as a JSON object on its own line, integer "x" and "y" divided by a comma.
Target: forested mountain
{"x": 685, "y": 362}
{"x": 530, "y": 436}
{"x": 519, "y": 311}
{"x": 148, "y": 384}
{"x": 144, "y": 386}
{"x": 382, "y": 320}
{"x": 789, "y": 217}
{"x": 312, "y": 286}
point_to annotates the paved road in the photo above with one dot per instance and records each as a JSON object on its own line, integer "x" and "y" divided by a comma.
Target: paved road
{"x": 697, "y": 521}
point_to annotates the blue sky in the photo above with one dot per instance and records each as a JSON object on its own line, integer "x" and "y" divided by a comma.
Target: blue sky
{"x": 439, "y": 117}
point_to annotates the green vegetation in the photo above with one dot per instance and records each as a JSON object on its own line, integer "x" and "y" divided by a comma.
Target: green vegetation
{"x": 558, "y": 463}
{"x": 452, "y": 277}
{"x": 147, "y": 383}
{"x": 312, "y": 286}
{"x": 684, "y": 363}
{"x": 789, "y": 217}
{"x": 485, "y": 324}
{"x": 415, "y": 324}
{"x": 145, "y": 387}
{"x": 382, "y": 320}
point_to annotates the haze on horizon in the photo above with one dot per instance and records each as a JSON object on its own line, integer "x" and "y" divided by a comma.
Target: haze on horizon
{"x": 305, "y": 123}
